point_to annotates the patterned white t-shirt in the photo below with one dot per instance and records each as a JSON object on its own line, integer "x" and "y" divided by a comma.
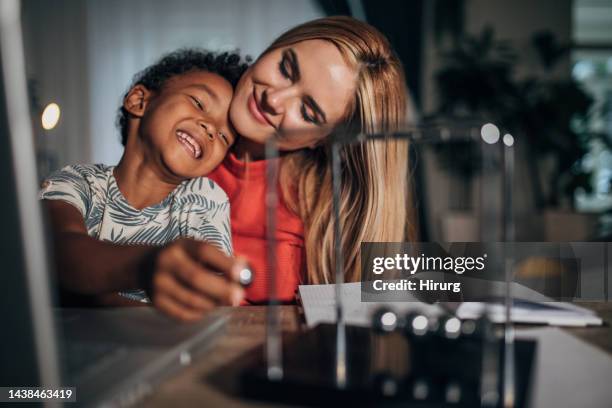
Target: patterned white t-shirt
{"x": 197, "y": 208}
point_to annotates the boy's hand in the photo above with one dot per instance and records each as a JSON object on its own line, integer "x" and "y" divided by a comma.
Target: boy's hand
{"x": 187, "y": 278}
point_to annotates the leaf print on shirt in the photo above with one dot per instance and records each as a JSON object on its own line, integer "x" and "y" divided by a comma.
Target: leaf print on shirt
{"x": 198, "y": 200}
{"x": 75, "y": 192}
{"x": 212, "y": 235}
{"x": 197, "y": 208}
{"x": 94, "y": 218}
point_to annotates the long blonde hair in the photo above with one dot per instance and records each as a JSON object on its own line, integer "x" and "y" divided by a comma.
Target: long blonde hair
{"x": 375, "y": 197}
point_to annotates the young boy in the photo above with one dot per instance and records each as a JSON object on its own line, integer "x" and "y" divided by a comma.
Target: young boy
{"x": 153, "y": 221}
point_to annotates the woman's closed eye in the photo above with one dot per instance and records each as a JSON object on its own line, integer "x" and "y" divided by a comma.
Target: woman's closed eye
{"x": 283, "y": 68}
{"x": 290, "y": 69}
{"x": 288, "y": 66}
{"x": 307, "y": 116}
{"x": 312, "y": 112}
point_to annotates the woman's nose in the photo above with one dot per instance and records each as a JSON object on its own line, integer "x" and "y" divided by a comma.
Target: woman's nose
{"x": 274, "y": 100}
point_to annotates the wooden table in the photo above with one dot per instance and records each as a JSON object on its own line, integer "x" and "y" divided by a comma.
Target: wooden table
{"x": 600, "y": 337}
{"x": 212, "y": 379}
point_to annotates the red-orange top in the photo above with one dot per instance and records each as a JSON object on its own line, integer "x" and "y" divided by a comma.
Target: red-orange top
{"x": 245, "y": 185}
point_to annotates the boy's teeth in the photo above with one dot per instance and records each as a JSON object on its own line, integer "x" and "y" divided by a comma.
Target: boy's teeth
{"x": 191, "y": 143}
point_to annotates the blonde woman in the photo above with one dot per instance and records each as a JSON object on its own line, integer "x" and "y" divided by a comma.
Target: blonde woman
{"x": 319, "y": 78}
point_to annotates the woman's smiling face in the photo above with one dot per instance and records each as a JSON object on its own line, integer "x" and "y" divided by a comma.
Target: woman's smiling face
{"x": 297, "y": 93}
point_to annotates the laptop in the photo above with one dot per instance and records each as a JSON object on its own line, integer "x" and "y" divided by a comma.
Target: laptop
{"x": 112, "y": 357}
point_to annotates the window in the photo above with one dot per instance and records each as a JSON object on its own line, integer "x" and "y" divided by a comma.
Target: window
{"x": 592, "y": 67}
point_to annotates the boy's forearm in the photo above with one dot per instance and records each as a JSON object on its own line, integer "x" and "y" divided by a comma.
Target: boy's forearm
{"x": 88, "y": 266}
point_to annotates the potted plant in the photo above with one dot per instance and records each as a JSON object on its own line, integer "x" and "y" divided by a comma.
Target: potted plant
{"x": 547, "y": 115}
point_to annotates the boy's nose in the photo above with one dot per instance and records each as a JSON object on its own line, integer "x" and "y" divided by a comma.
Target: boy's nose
{"x": 209, "y": 129}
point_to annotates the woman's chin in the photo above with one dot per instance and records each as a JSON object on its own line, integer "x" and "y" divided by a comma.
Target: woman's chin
{"x": 246, "y": 125}
{"x": 252, "y": 131}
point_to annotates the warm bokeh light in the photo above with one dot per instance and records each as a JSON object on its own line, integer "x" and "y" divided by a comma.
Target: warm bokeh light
{"x": 50, "y": 116}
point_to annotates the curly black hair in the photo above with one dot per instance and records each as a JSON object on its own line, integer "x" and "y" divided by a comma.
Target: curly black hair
{"x": 229, "y": 65}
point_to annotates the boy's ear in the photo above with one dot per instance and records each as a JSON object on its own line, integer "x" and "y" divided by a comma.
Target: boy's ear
{"x": 136, "y": 100}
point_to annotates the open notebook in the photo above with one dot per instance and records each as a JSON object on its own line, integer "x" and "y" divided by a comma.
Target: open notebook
{"x": 525, "y": 311}
{"x": 318, "y": 302}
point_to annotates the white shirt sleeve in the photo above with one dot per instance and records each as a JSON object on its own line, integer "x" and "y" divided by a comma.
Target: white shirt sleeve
{"x": 69, "y": 185}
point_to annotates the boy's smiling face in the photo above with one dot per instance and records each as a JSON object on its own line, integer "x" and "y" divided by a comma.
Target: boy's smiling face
{"x": 184, "y": 127}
